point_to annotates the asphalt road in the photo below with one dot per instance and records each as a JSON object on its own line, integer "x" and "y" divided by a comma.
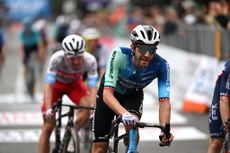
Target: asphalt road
{"x": 20, "y": 118}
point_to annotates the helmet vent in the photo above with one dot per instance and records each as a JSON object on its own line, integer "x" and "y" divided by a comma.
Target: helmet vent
{"x": 134, "y": 34}
{"x": 150, "y": 34}
{"x": 155, "y": 35}
{"x": 81, "y": 45}
{"x": 142, "y": 33}
{"x": 66, "y": 46}
{"x": 71, "y": 45}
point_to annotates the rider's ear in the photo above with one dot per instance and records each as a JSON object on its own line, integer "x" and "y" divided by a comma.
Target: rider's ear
{"x": 133, "y": 47}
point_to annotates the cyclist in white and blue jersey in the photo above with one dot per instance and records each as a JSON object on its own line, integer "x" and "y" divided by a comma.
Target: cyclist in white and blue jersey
{"x": 219, "y": 111}
{"x": 129, "y": 70}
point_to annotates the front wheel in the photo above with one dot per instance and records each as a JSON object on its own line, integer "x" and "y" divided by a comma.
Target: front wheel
{"x": 71, "y": 142}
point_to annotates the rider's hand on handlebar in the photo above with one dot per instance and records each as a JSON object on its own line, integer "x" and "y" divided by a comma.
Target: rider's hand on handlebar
{"x": 129, "y": 119}
{"x": 164, "y": 140}
{"x": 225, "y": 126}
{"x": 49, "y": 114}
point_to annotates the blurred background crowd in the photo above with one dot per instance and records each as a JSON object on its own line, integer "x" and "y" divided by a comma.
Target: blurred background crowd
{"x": 198, "y": 26}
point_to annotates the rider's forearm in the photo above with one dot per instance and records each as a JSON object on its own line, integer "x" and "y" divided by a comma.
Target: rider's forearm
{"x": 92, "y": 96}
{"x": 112, "y": 102}
{"x": 48, "y": 95}
{"x": 164, "y": 112}
{"x": 224, "y": 108}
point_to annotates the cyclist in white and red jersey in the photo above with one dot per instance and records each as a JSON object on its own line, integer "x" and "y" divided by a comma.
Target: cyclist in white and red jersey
{"x": 64, "y": 76}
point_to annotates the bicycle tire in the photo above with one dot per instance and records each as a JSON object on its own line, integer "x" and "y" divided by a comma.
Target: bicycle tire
{"x": 110, "y": 150}
{"x": 226, "y": 144}
{"x": 31, "y": 85}
{"x": 87, "y": 134}
{"x": 71, "y": 141}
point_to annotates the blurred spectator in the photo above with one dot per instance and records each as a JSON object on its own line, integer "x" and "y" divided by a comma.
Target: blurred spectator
{"x": 222, "y": 16}
{"x": 157, "y": 17}
{"x": 190, "y": 16}
{"x": 214, "y": 8}
{"x": 171, "y": 24}
{"x": 144, "y": 3}
{"x": 3, "y": 9}
{"x": 135, "y": 17}
{"x": 87, "y": 6}
{"x": 117, "y": 20}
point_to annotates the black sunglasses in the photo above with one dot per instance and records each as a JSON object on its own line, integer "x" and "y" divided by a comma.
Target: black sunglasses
{"x": 143, "y": 49}
{"x": 69, "y": 55}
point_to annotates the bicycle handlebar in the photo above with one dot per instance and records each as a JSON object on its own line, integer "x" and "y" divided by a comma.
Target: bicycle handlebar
{"x": 165, "y": 129}
{"x": 59, "y": 104}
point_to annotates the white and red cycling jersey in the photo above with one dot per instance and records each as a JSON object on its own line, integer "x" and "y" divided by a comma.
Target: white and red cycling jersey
{"x": 59, "y": 69}
{"x": 69, "y": 81}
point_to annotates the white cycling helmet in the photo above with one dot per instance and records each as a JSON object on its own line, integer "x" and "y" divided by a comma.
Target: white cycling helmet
{"x": 73, "y": 44}
{"x": 145, "y": 34}
{"x": 91, "y": 33}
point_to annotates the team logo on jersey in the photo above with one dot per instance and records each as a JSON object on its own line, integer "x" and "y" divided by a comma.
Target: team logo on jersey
{"x": 53, "y": 65}
{"x": 111, "y": 65}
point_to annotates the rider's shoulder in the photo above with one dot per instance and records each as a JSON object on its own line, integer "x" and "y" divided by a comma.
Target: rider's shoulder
{"x": 89, "y": 56}
{"x": 227, "y": 63}
{"x": 58, "y": 54}
{"x": 160, "y": 58}
{"x": 227, "y": 66}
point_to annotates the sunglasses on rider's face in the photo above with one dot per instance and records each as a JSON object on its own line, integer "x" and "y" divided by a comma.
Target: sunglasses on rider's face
{"x": 143, "y": 49}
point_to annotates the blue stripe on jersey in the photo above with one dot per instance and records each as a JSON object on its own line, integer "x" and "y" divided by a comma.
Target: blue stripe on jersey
{"x": 50, "y": 77}
{"x": 92, "y": 82}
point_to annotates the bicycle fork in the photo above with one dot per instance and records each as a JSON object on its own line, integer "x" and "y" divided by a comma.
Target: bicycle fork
{"x": 132, "y": 148}
{"x": 57, "y": 148}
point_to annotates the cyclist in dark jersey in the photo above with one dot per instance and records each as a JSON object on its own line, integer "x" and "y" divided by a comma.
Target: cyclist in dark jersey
{"x": 129, "y": 70}
{"x": 30, "y": 41}
{"x": 219, "y": 111}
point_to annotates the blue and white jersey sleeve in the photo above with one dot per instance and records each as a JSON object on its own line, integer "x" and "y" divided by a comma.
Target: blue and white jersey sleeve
{"x": 51, "y": 74}
{"x": 92, "y": 77}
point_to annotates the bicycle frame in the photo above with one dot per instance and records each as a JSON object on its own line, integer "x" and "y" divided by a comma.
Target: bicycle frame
{"x": 70, "y": 122}
{"x": 132, "y": 147}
